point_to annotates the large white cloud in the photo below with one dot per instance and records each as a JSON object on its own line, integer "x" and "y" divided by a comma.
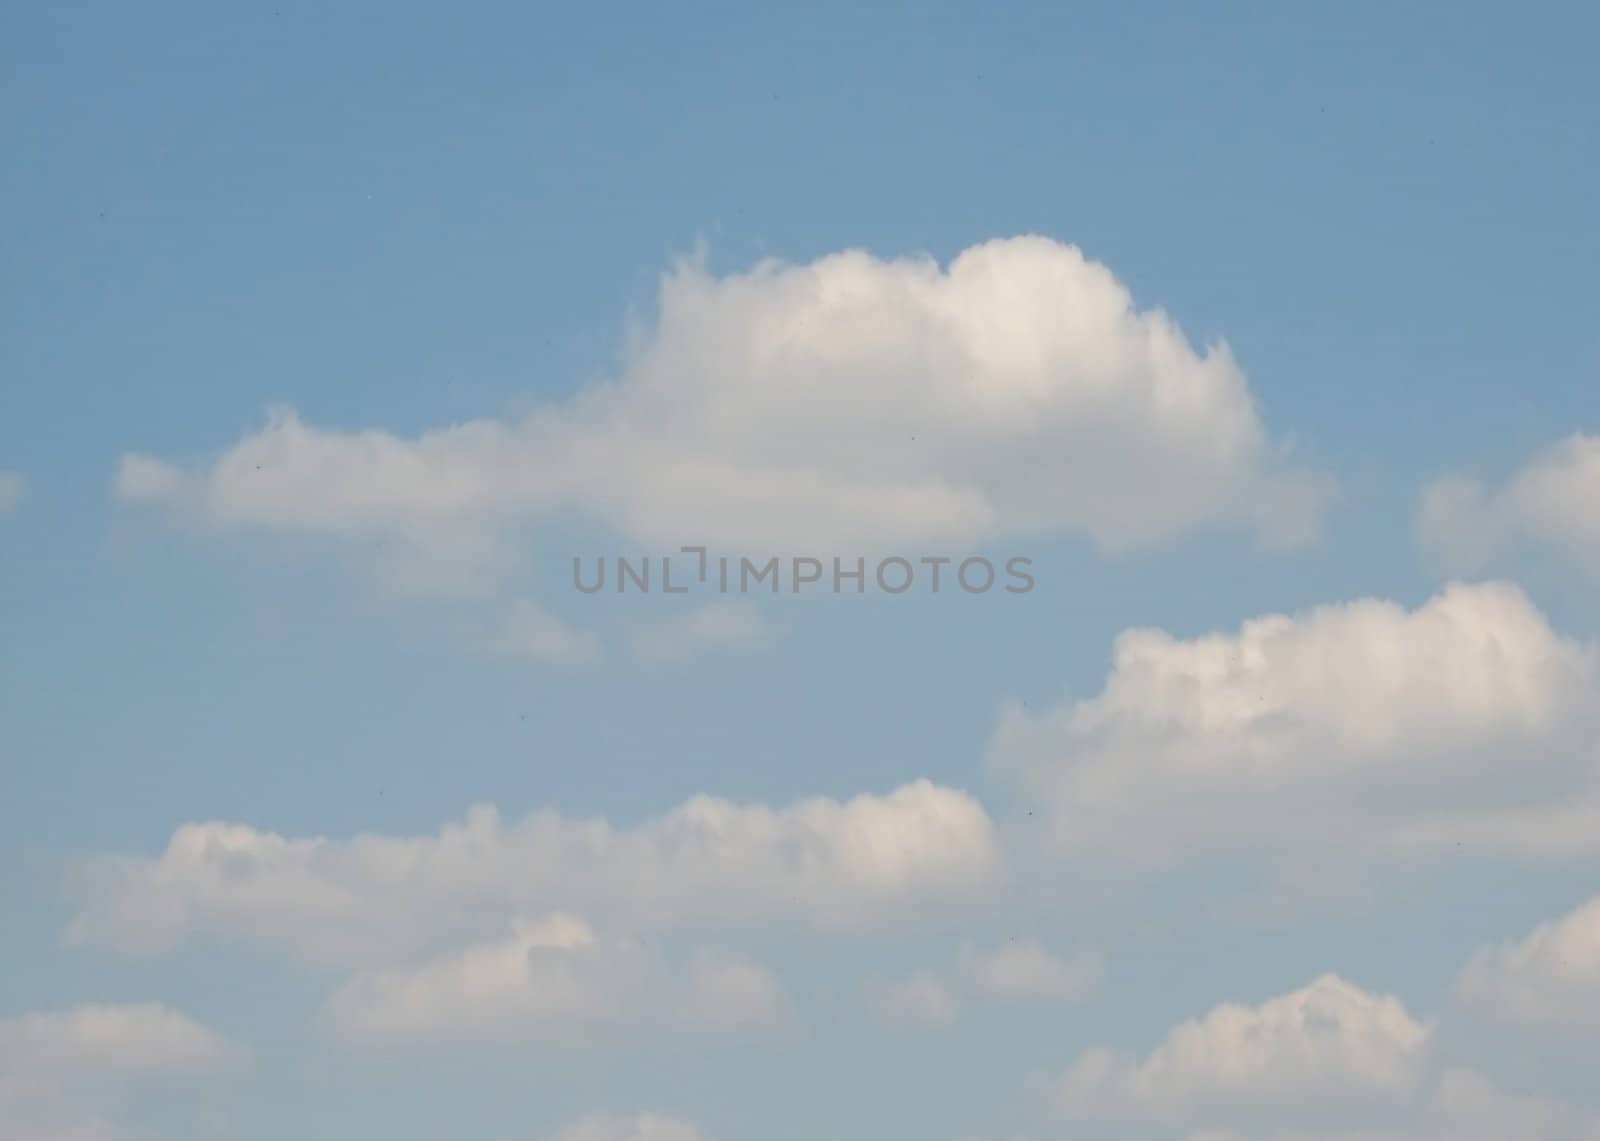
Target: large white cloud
{"x": 1553, "y": 500}
{"x": 1330, "y": 1046}
{"x": 1550, "y": 978}
{"x": 820, "y": 861}
{"x": 1466, "y": 722}
{"x": 556, "y": 980}
{"x": 853, "y": 403}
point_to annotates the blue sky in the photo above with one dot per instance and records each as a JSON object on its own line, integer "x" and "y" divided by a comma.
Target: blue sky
{"x": 394, "y": 220}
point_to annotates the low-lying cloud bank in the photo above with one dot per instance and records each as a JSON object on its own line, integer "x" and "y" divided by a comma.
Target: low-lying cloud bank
{"x": 824, "y": 863}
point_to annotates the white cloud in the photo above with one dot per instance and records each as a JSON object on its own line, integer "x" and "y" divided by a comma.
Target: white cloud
{"x": 61, "y": 1070}
{"x": 821, "y": 862}
{"x": 142, "y": 478}
{"x": 530, "y": 631}
{"x": 850, "y": 403}
{"x": 12, "y": 489}
{"x": 1329, "y": 1047}
{"x": 1329, "y": 1062}
{"x": 1016, "y": 971}
{"x": 1553, "y": 500}
{"x": 715, "y": 626}
{"x": 54, "y": 1123}
{"x": 1468, "y": 1107}
{"x": 1467, "y": 722}
{"x": 922, "y": 1001}
{"x": 1024, "y": 970}
{"x": 1550, "y": 978}
{"x": 104, "y": 1039}
{"x": 642, "y": 1127}
{"x": 554, "y": 980}
{"x": 1461, "y": 1106}
{"x": 729, "y": 993}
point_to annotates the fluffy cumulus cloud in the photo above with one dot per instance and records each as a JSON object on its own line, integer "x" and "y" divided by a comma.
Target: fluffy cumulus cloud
{"x": 1328, "y": 1062}
{"x": 1330, "y": 1047}
{"x": 1329, "y": 1042}
{"x": 639, "y": 1127}
{"x": 61, "y": 1070}
{"x": 851, "y": 403}
{"x": 1017, "y": 971}
{"x": 1464, "y": 723}
{"x": 821, "y": 862}
{"x": 1554, "y": 500}
{"x": 556, "y": 980}
{"x": 1551, "y": 978}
